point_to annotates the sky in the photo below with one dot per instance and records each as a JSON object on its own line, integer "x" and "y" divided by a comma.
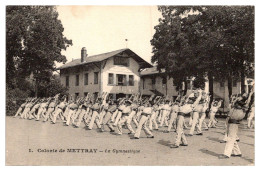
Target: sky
{"x": 103, "y": 29}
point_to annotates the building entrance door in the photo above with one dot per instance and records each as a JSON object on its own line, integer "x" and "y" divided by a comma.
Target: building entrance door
{"x": 120, "y": 95}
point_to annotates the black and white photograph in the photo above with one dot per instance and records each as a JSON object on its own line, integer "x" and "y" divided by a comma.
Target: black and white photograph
{"x": 129, "y": 85}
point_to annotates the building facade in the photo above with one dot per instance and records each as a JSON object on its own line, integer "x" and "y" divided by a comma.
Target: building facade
{"x": 116, "y": 72}
{"x": 122, "y": 73}
{"x": 220, "y": 90}
{"x": 153, "y": 82}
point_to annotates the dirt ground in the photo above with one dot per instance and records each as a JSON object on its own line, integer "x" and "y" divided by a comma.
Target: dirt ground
{"x": 29, "y": 142}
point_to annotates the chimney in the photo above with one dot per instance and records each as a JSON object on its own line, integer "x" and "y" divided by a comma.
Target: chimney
{"x": 83, "y": 54}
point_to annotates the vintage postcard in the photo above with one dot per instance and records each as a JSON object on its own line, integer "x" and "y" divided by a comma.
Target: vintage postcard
{"x": 162, "y": 85}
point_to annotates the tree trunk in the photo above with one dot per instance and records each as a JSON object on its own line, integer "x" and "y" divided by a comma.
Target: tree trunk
{"x": 242, "y": 82}
{"x": 229, "y": 86}
{"x": 36, "y": 88}
{"x": 211, "y": 88}
{"x": 185, "y": 87}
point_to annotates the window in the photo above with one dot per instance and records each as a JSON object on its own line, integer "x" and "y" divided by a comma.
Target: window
{"x": 164, "y": 80}
{"x": 85, "y": 94}
{"x": 143, "y": 83}
{"x": 76, "y": 95}
{"x": 121, "y": 80}
{"x": 77, "y": 80}
{"x": 95, "y": 77}
{"x": 121, "y": 61}
{"x": 131, "y": 80}
{"x": 86, "y": 79}
{"x": 67, "y": 81}
{"x": 110, "y": 79}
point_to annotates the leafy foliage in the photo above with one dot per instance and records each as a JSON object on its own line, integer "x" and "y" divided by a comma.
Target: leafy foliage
{"x": 53, "y": 87}
{"x": 201, "y": 42}
{"x": 14, "y": 98}
{"x": 34, "y": 41}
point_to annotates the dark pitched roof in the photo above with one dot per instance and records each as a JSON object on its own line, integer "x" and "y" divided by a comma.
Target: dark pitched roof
{"x": 103, "y": 56}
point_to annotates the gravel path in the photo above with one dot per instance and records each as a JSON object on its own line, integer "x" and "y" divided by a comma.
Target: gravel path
{"x": 29, "y": 142}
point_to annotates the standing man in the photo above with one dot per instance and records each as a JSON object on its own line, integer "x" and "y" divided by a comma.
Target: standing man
{"x": 195, "y": 113}
{"x": 120, "y": 109}
{"x": 34, "y": 109}
{"x": 51, "y": 108}
{"x": 173, "y": 117}
{"x": 80, "y": 103}
{"x": 21, "y": 108}
{"x": 205, "y": 103}
{"x": 112, "y": 107}
{"x": 27, "y": 108}
{"x": 73, "y": 106}
{"x": 59, "y": 110}
{"x": 134, "y": 107}
{"x": 42, "y": 109}
{"x": 104, "y": 107}
{"x": 95, "y": 115}
{"x": 184, "y": 108}
{"x": 147, "y": 111}
{"x": 152, "y": 119}
{"x": 165, "y": 112}
{"x": 80, "y": 113}
{"x": 251, "y": 115}
{"x": 125, "y": 114}
{"x": 213, "y": 110}
{"x": 237, "y": 114}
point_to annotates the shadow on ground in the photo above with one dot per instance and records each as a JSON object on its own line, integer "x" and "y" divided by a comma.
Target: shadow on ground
{"x": 214, "y": 139}
{"x": 212, "y": 153}
{"x": 165, "y": 143}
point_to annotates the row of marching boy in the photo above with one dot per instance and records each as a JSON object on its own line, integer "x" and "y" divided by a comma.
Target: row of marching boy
{"x": 146, "y": 114}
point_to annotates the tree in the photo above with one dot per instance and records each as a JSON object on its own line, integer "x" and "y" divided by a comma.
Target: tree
{"x": 34, "y": 41}
{"x": 52, "y": 87}
{"x": 234, "y": 45}
{"x": 15, "y": 28}
{"x": 204, "y": 42}
{"x": 174, "y": 45}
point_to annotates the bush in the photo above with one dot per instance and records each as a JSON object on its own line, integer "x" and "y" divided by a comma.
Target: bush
{"x": 14, "y": 99}
{"x": 17, "y": 96}
{"x": 54, "y": 87}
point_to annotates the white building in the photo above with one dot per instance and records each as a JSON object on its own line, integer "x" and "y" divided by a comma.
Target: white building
{"x": 153, "y": 82}
{"x": 116, "y": 72}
